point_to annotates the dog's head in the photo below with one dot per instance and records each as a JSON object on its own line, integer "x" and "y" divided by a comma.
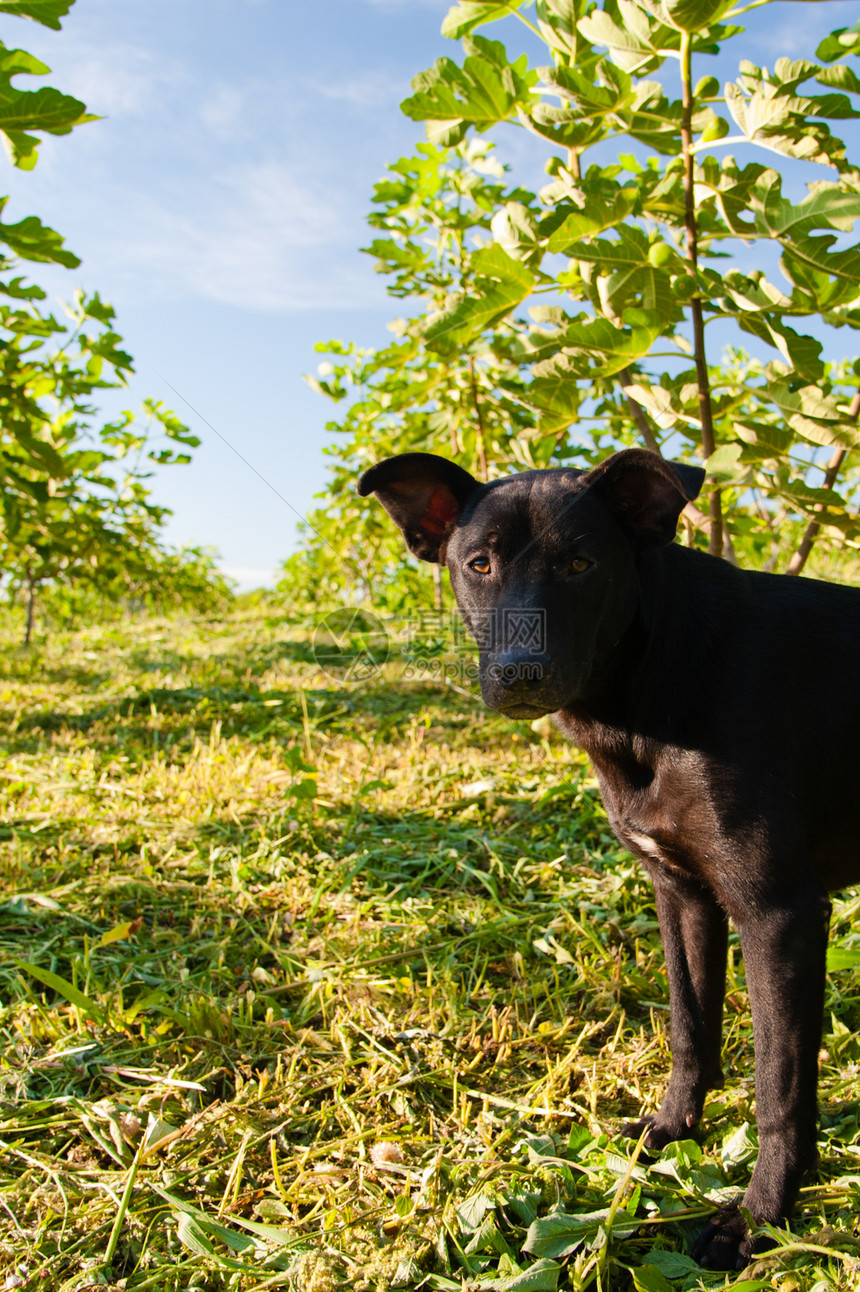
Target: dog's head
{"x": 543, "y": 564}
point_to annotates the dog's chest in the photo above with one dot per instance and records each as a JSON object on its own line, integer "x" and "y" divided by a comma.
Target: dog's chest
{"x": 661, "y": 813}
{"x": 654, "y": 832}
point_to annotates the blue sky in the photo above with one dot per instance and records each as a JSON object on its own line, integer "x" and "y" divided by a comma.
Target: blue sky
{"x": 220, "y": 206}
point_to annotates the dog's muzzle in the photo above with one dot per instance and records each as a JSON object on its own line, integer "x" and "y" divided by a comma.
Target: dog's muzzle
{"x": 520, "y": 685}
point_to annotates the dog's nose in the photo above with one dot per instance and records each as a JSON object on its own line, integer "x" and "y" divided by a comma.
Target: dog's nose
{"x": 519, "y": 671}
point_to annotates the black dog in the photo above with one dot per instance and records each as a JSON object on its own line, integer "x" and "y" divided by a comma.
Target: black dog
{"x": 721, "y": 711}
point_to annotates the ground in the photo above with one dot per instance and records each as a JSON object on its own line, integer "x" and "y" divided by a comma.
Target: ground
{"x": 324, "y": 977}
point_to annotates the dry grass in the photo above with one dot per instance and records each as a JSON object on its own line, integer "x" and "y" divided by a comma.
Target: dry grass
{"x": 314, "y": 984}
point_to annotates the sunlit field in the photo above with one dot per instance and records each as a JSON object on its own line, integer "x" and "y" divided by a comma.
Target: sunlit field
{"x": 332, "y": 979}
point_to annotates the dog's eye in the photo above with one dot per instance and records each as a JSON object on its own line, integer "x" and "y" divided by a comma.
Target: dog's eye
{"x": 480, "y": 565}
{"x": 578, "y": 564}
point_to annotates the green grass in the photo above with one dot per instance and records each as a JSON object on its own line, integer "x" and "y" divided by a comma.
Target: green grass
{"x": 313, "y": 984}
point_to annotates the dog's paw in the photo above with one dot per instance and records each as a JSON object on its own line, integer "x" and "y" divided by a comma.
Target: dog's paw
{"x": 726, "y": 1243}
{"x": 719, "y": 1245}
{"x": 659, "y": 1133}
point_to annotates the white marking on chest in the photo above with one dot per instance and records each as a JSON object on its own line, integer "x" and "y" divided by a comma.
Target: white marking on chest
{"x": 645, "y": 842}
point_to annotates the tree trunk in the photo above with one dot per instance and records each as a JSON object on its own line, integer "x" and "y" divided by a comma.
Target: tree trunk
{"x": 715, "y": 531}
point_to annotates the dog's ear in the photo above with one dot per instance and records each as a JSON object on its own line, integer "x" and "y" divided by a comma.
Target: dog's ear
{"x": 424, "y": 494}
{"x": 645, "y": 493}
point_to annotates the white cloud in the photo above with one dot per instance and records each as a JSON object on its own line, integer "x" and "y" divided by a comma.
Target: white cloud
{"x": 258, "y": 238}
{"x": 225, "y": 112}
{"x": 369, "y": 90}
{"x": 118, "y": 79}
{"x": 238, "y": 189}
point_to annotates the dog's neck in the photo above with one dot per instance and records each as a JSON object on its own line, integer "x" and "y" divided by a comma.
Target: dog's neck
{"x": 647, "y": 694}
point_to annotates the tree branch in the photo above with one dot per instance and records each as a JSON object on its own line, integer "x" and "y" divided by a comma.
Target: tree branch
{"x": 805, "y": 546}
{"x": 637, "y": 412}
{"x": 481, "y": 445}
{"x": 715, "y": 533}
{"x": 692, "y": 513}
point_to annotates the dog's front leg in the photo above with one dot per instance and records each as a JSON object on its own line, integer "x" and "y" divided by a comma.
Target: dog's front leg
{"x": 694, "y": 930}
{"x": 784, "y": 951}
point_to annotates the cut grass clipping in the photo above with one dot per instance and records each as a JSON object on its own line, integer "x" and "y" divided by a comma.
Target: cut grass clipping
{"x": 332, "y": 979}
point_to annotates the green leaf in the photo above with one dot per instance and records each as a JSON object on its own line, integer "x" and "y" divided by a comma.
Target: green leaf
{"x": 812, "y": 415}
{"x": 564, "y": 126}
{"x": 47, "y": 12}
{"x": 523, "y": 1203}
{"x": 488, "y": 1237}
{"x": 772, "y": 112}
{"x": 43, "y": 456}
{"x": 759, "y": 308}
{"x": 725, "y": 465}
{"x": 763, "y": 440}
{"x": 596, "y": 347}
{"x": 559, "y": 1235}
{"x": 695, "y": 15}
{"x": 305, "y": 789}
{"x": 27, "y": 292}
{"x": 845, "y": 40}
{"x": 205, "y": 1225}
{"x": 740, "y": 1147}
{"x": 191, "y": 1235}
{"x": 22, "y": 110}
{"x": 594, "y": 218}
{"x": 118, "y": 933}
{"x": 269, "y": 1233}
{"x": 556, "y": 401}
{"x": 95, "y": 308}
{"x": 636, "y": 41}
{"x": 632, "y": 42}
{"x": 659, "y": 403}
{"x": 486, "y": 90}
{"x": 65, "y": 989}
{"x": 802, "y": 353}
{"x": 840, "y": 76}
{"x": 472, "y": 1211}
{"x": 21, "y": 148}
{"x": 501, "y": 283}
{"x": 462, "y": 18}
{"x": 630, "y": 248}
{"x": 615, "y": 92}
{"x": 515, "y": 230}
{"x": 557, "y": 20}
{"x": 32, "y": 240}
{"x": 541, "y": 1277}
{"x": 752, "y": 1285}
{"x": 675, "y": 1265}
{"x": 842, "y": 958}
{"x": 826, "y": 206}
{"x": 647, "y": 1278}
{"x": 681, "y": 1150}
